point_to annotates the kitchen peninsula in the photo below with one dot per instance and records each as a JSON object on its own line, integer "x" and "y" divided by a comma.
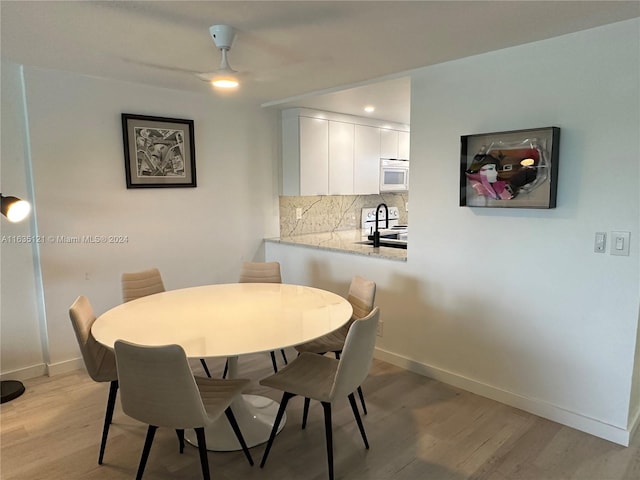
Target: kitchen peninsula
{"x": 332, "y": 222}
{"x": 346, "y": 241}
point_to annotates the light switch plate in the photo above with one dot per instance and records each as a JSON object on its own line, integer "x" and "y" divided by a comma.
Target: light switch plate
{"x": 620, "y": 243}
{"x": 600, "y": 242}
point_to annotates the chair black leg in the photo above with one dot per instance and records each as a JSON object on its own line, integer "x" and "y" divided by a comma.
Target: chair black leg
{"x": 364, "y": 407}
{"x": 273, "y": 361}
{"x": 108, "y": 416}
{"x": 206, "y": 369}
{"x": 283, "y": 405}
{"x": 151, "y": 431}
{"x": 305, "y": 412}
{"x": 226, "y": 369}
{"x": 202, "y": 448}
{"x": 236, "y": 429}
{"x": 284, "y": 357}
{"x": 329, "y": 434}
{"x": 180, "y": 434}
{"x": 356, "y": 414}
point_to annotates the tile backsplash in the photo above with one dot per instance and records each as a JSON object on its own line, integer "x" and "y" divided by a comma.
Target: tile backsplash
{"x": 328, "y": 213}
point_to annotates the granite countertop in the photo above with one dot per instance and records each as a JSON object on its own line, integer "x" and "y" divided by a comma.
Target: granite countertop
{"x": 342, "y": 241}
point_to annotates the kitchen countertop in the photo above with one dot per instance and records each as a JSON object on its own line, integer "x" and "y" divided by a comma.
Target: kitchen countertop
{"x": 342, "y": 241}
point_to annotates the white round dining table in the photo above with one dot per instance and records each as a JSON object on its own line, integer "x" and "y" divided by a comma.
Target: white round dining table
{"x": 228, "y": 320}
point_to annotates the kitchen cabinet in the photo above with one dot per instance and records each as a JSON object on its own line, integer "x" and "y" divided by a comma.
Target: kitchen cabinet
{"x": 366, "y": 161}
{"x": 404, "y": 145}
{"x": 314, "y": 156}
{"x": 341, "y": 167}
{"x": 326, "y": 153}
{"x": 394, "y": 144}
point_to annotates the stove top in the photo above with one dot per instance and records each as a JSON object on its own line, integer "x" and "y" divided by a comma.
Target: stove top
{"x": 396, "y": 232}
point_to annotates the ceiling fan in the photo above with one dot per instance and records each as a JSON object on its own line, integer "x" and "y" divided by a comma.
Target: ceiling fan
{"x": 224, "y": 76}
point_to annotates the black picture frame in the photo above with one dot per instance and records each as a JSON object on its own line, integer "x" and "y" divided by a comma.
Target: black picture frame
{"x": 511, "y": 169}
{"x": 158, "y": 151}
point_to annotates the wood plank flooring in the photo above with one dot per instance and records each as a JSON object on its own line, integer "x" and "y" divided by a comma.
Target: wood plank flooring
{"x": 418, "y": 429}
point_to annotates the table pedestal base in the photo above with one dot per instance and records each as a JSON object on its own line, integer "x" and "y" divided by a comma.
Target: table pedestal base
{"x": 255, "y": 415}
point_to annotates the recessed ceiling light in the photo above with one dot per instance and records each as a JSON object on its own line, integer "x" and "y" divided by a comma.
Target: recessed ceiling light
{"x": 369, "y": 108}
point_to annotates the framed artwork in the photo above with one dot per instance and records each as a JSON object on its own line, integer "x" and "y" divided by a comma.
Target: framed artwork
{"x": 158, "y": 152}
{"x": 514, "y": 169}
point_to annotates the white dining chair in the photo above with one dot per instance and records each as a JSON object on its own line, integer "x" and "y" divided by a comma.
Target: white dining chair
{"x": 327, "y": 379}
{"x": 158, "y": 388}
{"x": 147, "y": 282}
{"x": 99, "y": 361}
{"x": 361, "y": 296}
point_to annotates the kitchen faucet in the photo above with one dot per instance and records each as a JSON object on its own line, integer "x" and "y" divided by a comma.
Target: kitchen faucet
{"x": 376, "y": 234}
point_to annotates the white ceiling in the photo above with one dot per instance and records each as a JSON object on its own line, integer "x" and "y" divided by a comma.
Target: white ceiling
{"x": 286, "y": 50}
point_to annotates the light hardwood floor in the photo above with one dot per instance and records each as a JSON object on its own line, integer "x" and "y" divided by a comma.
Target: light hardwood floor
{"x": 418, "y": 429}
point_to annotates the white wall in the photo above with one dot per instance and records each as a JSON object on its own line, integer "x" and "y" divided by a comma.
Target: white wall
{"x": 514, "y": 304}
{"x": 20, "y": 332}
{"x": 194, "y": 235}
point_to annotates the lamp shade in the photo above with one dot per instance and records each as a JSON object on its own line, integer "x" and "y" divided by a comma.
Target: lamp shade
{"x": 14, "y": 209}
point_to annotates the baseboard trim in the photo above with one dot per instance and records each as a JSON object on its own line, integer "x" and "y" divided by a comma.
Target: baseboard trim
{"x": 535, "y": 406}
{"x": 59, "y": 368}
{"x": 26, "y": 373}
{"x": 43, "y": 369}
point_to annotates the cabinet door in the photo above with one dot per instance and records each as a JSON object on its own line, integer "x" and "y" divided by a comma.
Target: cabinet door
{"x": 366, "y": 176}
{"x": 341, "y": 158}
{"x": 388, "y": 143}
{"x": 403, "y": 145}
{"x": 314, "y": 156}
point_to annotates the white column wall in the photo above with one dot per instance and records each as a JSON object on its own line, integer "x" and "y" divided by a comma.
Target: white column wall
{"x": 514, "y": 304}
{"x": 21, "y": 347}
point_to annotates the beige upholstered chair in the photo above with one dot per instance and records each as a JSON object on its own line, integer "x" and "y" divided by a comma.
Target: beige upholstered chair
{"x": 326, "y": 379}
{"x": 147, "y": 282}
{"x": 158, "y": 388}
{"x": 362, "y": 295}
{"x": 261, "y": 272}
{"x": 99, "y": 361}
{"x": 140, "y": 284}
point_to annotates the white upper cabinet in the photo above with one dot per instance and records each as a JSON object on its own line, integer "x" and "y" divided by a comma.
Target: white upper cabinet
{"x": 314, "y": 156}
{"x": 341, "y": 139}
{"x": 327, "y": 153}
{"x": 404, "y": 141}
{"x": 366, "y": 161}
{"x": 394, "y": 144}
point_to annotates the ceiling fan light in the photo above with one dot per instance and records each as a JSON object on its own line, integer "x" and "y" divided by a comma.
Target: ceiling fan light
{"x": 225, "y": 82}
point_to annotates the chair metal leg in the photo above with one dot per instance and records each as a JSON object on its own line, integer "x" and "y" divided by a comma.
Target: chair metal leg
{"x": 284, "y": 357}
{"x": 273, "y": 361}
{"x": 206, "y": 369}
{"x": 356, "y": 414}
{"x": 329, "y": 434}
{"x": 202, "y": 448}
{"x": 180, "y": 433}
{"x": 364, "y": 407}
{"x": 283, "y": 405}
{"x": 305, "y": 412}
{"x": 226, "y": 369}
{"x": 236, "y": 429}
{"x": 151, "y": 431}
{"x": 108, "y": 416}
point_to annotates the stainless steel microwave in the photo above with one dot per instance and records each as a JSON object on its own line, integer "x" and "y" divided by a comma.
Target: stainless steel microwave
{"x": 394, "y": 175}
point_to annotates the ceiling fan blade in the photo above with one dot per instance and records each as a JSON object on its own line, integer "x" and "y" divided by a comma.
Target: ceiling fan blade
{"x": 159, "y": 67}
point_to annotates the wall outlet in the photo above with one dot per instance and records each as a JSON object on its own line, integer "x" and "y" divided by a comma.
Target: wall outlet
{"x": 380, "y": 328}
{"x": 298, "y": 213}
